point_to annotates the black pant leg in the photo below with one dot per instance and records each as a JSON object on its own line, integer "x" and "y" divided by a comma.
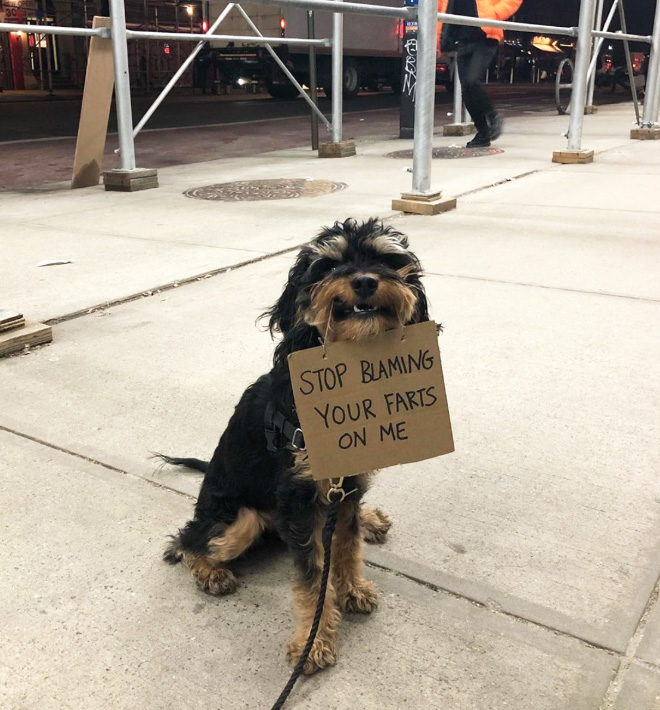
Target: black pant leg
{"x": 472, "y": 60}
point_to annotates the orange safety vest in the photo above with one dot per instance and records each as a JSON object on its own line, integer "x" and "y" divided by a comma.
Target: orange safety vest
{"x": 491, "y": 10}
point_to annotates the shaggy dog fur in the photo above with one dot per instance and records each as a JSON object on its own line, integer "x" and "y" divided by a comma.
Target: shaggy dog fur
{"x": 352, "y": 281}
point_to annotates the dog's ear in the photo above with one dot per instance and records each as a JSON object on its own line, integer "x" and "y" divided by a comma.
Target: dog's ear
{"x": 282, "y": 316}
{"x": 421, "y": 313}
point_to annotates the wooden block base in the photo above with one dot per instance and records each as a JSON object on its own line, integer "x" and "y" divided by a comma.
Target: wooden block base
{"x": 648, "y": 133}
{"x": 458, "y": 129}
{"x": 10, "y": 320}
{"x": 573, "y": 157}
{"x": 130, "y": 180}
{"x": 13, "y": 341}
{"x": 343, "y": 149}
{"x": 424, "y": 204}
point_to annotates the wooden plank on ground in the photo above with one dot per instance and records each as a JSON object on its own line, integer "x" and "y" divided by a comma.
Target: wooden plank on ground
{"x": 95, "y": 110}
{"x": 14, "y": 341}
{"x": 10, "y": 320}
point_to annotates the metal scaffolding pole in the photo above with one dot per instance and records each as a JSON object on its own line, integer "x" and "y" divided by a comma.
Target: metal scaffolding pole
{"x": 652, "y": 93}
{"x": 311, "y": 34}
{"x": 580, "y": 77}
{"x": 458, "y": 96}
{"x": 284, "y": 69}
{"x": 179, "y": 73}
{"x": 594, "y": 58}
{"x": 629, "y": 66}
{"x": 337, "y": 74}
{"x": 596, "y": 49}
{"x": 425, "y": 96}
{"x": 122, "y": 85}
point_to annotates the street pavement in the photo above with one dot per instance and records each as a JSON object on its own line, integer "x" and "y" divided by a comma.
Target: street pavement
{"x": 37, "y": 138}
{"x": 521, "y": 571}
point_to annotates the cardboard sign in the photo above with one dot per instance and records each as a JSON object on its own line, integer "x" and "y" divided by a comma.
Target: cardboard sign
{"x": 372, "y": 403}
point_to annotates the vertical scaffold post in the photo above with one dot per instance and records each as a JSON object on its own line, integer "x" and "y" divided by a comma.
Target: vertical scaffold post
{"x": 423, "y": 200}
{"x": 655, "y": 78}
{"x": 462, "y": 124}
{"x": 596, "y": 44}
{"x": 338, "y": 148}
{"x": 425, "y": 96}
{"x": 649, "y": 128}
{"x": 311, "y": 33}
{"x": 128, "y": 178}
{"x": 337, "y": 74}
{"x": 575, "y": 153}
{"x": 122, "y": 85}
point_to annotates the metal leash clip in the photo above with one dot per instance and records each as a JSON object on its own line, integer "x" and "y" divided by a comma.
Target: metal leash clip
{"x": 336, "y": 488}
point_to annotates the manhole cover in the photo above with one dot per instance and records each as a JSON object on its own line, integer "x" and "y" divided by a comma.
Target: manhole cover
{"x": 253, "y": 190}
{"x": 451, "y": 152}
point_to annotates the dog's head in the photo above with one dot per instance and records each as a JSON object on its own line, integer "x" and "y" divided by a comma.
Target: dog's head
{"x": 354, "y": 280}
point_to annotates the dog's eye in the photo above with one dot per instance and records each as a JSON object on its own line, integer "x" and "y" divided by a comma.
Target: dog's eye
{"x": 321, "y": 267}
{"x": 395, "y": 261}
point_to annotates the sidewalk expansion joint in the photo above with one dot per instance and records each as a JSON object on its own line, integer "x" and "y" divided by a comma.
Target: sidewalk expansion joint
{"x": 628, "y": 656}
{"x": 167, "y": 287}
{"x": 95, "y": 462}
{"x": 499, "y": 611}
{"x": 176, "y": 284}
{"x": 503, "y": 181}
{"x": 551, "y": 288}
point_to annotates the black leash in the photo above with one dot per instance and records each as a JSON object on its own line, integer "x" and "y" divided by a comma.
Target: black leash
{"x": 335, "y": 496}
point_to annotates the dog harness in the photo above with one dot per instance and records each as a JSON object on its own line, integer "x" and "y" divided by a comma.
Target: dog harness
{"x": 281, "y": 433}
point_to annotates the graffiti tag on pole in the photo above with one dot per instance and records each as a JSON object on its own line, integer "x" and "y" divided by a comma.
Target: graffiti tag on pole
{"x": 410, "y": 68}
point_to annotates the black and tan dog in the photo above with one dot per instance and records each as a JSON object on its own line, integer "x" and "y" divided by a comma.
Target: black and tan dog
{"x": 352, "y": 281}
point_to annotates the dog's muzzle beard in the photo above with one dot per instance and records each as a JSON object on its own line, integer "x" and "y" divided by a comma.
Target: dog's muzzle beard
{"x": 359, "y": 306}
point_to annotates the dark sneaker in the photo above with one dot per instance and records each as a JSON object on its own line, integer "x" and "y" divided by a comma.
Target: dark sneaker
{"x": 481, "y": 140}
{"x": 495, "y": 124}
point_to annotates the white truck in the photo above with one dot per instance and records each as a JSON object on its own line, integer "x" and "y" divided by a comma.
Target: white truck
{"x": 372, "y": 49}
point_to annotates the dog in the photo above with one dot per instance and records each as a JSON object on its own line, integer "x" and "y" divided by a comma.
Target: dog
{"x": 352, "y": 281}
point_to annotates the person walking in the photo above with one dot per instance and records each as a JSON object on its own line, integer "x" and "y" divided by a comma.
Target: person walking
{"x": 475, "y": 49}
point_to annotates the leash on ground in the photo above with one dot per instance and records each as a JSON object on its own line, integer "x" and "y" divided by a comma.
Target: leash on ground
{"x": 335, "y": 496}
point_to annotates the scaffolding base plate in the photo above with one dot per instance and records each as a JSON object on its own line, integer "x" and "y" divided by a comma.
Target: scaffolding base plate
{"x": 343, "y": 149}
{"x": 13, "y": 341}
{"x": 424, "y": 204}
{"x": 130, "y": 180}
{"x": 573, "y": 157}
{"x": 648, "y": 133}
{"x": 458, "y": 129}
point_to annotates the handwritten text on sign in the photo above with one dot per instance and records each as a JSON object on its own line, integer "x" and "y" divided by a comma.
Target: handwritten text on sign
{"x": 372, "y": 403}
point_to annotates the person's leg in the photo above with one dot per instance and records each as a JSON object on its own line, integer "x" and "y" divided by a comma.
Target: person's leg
{"x": 473, "y": 59}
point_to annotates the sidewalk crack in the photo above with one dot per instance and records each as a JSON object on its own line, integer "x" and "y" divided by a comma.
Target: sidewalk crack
{"x": 495, "y": 610}
{"x": 617, "y": 682}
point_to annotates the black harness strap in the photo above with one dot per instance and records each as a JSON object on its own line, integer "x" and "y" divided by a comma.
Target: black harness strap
{"x": 280, "y": 432}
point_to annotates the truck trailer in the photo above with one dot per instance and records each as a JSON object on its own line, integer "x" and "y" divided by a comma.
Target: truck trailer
{"x": 372, "y": 50}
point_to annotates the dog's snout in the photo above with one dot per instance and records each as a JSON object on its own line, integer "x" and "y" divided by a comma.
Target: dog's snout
{"x": 365, "y": 285}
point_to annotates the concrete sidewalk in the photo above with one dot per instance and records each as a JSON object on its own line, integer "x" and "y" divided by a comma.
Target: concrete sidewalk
{"x": 521, "y": 572}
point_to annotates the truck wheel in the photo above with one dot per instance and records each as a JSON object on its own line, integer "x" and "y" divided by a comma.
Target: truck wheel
{"x": 286, "y": 92}
{"x": 351, "y": 81}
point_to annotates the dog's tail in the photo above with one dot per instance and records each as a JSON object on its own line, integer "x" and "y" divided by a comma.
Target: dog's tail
{"x": 194, "y": 464}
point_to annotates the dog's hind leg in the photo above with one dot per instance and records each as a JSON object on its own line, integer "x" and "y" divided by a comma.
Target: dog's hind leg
{"x": 375, "y": 525}
{"x": 205, "y": 549}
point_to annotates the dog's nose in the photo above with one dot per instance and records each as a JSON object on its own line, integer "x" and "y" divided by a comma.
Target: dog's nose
{"x": 365, "y": 285}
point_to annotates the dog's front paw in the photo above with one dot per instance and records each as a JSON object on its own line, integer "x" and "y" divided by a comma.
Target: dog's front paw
{"x": 217, "y": 582}
{"x": 323, "y": 654}
{"x": 375, "y": 525}
{"x": 360, "y": 599}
